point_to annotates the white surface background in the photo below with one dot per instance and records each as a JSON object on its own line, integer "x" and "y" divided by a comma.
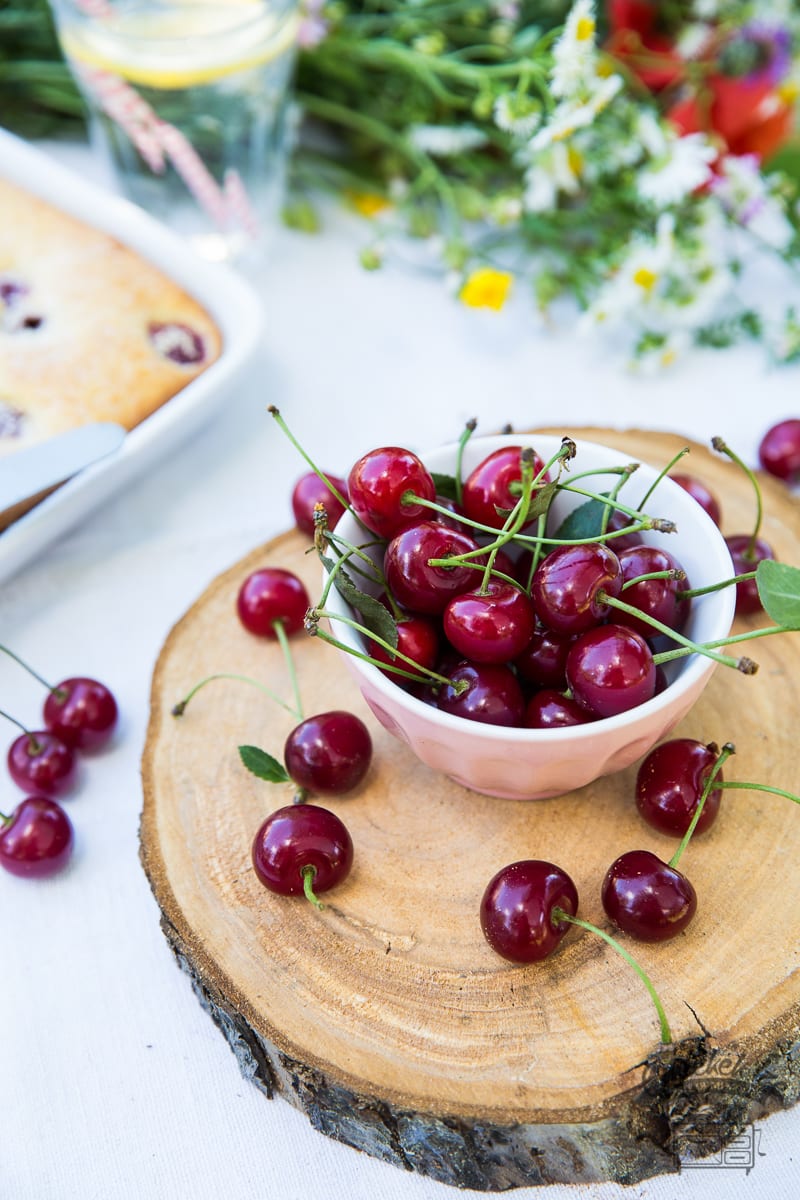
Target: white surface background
{"x": 113, "y": 1082}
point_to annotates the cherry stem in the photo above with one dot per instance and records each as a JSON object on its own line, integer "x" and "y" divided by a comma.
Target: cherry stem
{"x": 760, "y": 787}
{"x": 691, "y": 647}
{"x": 59, "y": 693}
{"x": 690, "y": 593}
{"x": 657, "y": 523}
{"x": 727, "y": 750}
{"x": 675, "y": 573}
{"x": 469, "y": 429}
{"x": 180, "y": 708}
{"x": 275, "y": 412}
{"x": 722, "y": 447}
{"x": 309, "y": 873}
{"x": 288, "y": 658}
{"x": 516, "y": 518}
{"x": 558, "y": 914}
{"x": 742, "y": 664}
{"x": 662, "y": 475}
{"x": 613, "y": 495}
{"x": 313, "y": 629}
{"x": 34, "y": 745}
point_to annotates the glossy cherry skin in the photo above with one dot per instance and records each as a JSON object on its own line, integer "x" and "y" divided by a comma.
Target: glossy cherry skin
{"x": 329, "y": 752}
{"x": 377, "y": 484}
{"x": 779, "y": 452}
{"x": 549, "y": 709}
{"x": 745, "y": 560}
{"x": 40, "y": 762}
{"x": 625, "y": 541}
{"x": 657, "y": 598}
{"x": 493, "y": 697}
{"x": 417, "y": 638}
{"x": 269, "y": 595}
{"x": 517, "y": 910}
{"x": 699, "y": 492}
{"x": 81, "y": 712}
{"x": 670, "y": 782}
{"x": 415, "y": 584}
{"x": 310, "y": 491}
{"x": 610, "y": 670}
{"x": 37, "y": 839}
{"x": 543, "y": 662}
{"x": 491, "y": 626}
{"x": 567, "y": 583}
{"x": 647, "y": 898}
{"x": 488, "y": 487}
{"x": 302, "y": 835}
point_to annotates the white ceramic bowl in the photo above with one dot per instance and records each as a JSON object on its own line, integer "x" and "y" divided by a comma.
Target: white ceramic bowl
{"x": 533, "y": 764}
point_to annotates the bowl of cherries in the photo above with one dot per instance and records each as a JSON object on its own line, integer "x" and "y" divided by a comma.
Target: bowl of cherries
{"x": 524, "y": 613}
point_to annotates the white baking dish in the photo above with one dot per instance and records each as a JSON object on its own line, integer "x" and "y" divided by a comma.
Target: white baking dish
{"x": 229, "y": 299}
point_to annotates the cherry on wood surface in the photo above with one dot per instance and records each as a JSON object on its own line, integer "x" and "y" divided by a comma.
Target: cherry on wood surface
{"x": 387, "y": 1017}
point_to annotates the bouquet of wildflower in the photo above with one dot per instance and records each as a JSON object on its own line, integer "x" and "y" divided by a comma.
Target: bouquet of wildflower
{"x": 623, "y": 159}
{"x": 634, "y": 160}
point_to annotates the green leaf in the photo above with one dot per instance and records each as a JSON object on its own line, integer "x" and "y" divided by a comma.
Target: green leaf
{"x": 541, "y": 499}
{"x": 445, "y": 485}
{"x": 584, "y": 522}
{"x": 259, "y": 763}
{"x": 779, "y": 592}
{"x": 374, "y": 615}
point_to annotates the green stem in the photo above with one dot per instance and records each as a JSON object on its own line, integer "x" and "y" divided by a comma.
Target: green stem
{"x": 180, "y": 708}
{"x": 19, "y": 725}
{"x": 727, "y": 750}
{"x": 288, "y": 658}
{"x": 309, "y": 873}
{"x": 274, "y": 412}
{"x": 734, "y": 640}
{"x": 673, "y": 573}
{"x": 722, "y": 447}
{"x": 760, "y": 787}
{"x": 690, "y": 647}
{"x": 469, "y": 429}
{"x": 560, "y": 915}
{"x": 419, "y": 670}
{"x": 54, "y": 691}
{"x": 662, "y": 474}
{"x": 690, "y": 593}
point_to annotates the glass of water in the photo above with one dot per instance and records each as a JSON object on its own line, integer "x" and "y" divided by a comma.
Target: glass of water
{"x": 189, "y": 100}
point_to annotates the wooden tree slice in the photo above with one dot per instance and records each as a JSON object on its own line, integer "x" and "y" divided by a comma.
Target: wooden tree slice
{"x": 386, "y": 1017}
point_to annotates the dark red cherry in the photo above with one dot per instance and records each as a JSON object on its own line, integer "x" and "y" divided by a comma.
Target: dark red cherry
{"x": 543, "y": 662}
{"x": 81, "y": 712}
{"x": 40, "y": 762}
{"x": 177, "y": 342}
{"x": 647, "y": 898}
{"x": 517, "y": 910}
{"x": 490, "y": 486}
{"x": 415, "y": 584}
{"x": 491, "y": 625}
{"x": 610, "y": 670}
{"x": 746, "y": 557}
{"x": 549, "y": 709}
{"x": 310, "y": 491}
{"x": 271, "y": 595}
{"x": 298, "y": 836}
{"x": 624, "y": 541}
{"x": 493, "y": 695}
{"x": 567, "y": 583}
{"x": 417, "y": 638}
{"x": 329, "y": 752}
{"x": 36, "y": 840}
{"x": 377, "y": 484}
{"x": 779, "y": 452}
{"x": 699, "y": 492}
{"x": 670, "y": 782}
{"x": 657, "y": 598}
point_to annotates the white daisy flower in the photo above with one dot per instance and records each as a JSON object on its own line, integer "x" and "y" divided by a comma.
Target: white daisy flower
{"x": 659, "y": 351}
{"x": 569, "y": 116}
{"x": 744, "y": 194}
{"x": 518, "y": 115}
{"x": 554, "y": 172}
{"x": 675, "y": 174}
{"x": 634, "y": 286}
{"x": 574, "y": 54}
{"x": 444, "y": 141}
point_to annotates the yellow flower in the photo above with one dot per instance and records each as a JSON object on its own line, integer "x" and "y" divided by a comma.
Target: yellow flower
{"x": 487, "y": 288}
{"x": 584, "y": 29}
{"x": 368, "y": 204}
{"x": 645, "y": 278}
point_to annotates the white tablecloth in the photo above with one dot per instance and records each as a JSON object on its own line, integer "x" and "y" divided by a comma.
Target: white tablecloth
{"x": 113, "y": 1082}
